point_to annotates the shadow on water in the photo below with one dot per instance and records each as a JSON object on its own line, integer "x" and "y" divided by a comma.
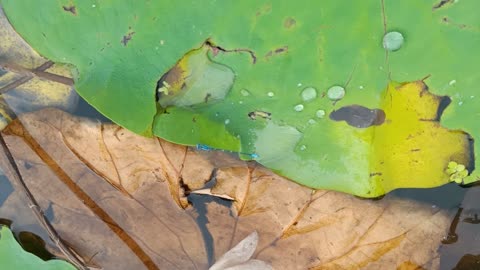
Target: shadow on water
{"x": 86, "y": 110}
{"x": 199, "y": 203}
{"x": 463, "y": 237}
{"x": 446, "y": 197}
{"x": 6, "y": 189}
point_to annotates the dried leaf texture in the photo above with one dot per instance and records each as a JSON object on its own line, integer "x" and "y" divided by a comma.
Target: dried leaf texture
{"x": 139, "y": 218}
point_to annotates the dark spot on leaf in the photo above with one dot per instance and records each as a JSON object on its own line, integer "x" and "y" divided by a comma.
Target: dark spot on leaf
{"x": 446, "y": 20}
{"x": 70, "y": 9}
{"x": 375, "y": 173}
{"x": 415, "y": 150}
{"x": 359, "y": 116}
{"x": 207, "y": 96}
{"x": 289, "y": 22}
{"x": 441, "y": 4}
{"x": 127, "y": 38}
{"x": 282, "y": 49}
{"x": 216, "y": 49}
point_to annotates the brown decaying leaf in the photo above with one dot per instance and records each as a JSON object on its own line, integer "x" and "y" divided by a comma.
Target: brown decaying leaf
{"x": 65, "y": 160}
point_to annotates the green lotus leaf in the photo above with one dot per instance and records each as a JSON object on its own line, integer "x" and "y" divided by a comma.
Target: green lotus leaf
{"x": 12, "y": 256}
{"x": 341, "y": 95}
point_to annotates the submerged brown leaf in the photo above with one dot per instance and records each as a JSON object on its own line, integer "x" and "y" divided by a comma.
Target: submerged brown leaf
{"x": 139, "y": 218}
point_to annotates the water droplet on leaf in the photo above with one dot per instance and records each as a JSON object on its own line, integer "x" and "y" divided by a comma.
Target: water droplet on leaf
{"x": 298, "y": 107}
{"x": 393, "y": 41}
{"x": 244, "y": 92}
{"x": 227, "y": 121}
{"x": 336, "y": 93}
{"x": 270, "y": 94}
{"x": 309, "y": 93}
{"x": 303, "y": 147}
{"x": 311, "y": 121}
{"x": 320, "y": 113}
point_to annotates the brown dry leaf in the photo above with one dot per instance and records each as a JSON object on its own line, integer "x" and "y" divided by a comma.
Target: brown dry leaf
{"x": 142, "y": 223}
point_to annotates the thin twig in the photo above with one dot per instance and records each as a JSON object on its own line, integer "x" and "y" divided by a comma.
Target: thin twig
{"x": 37, "y": 210}
{"x": 29, "y": 74}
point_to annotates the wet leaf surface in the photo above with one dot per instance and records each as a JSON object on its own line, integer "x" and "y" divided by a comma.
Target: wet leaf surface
{"x": 119, "y": 200}
{"x": 219, "y": 62}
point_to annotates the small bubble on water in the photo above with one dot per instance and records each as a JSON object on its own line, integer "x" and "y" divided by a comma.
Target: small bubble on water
{"x": 309, "y": 93}
{"x": 336, "y": 93}
{"x": 240, "y": 102}
{"x": 94, "y": 5}
{"x": 452, "y": 82}
{"x": 360, "y": 87}
{"x": 460, "y": 103}
{"x": 320, "y": 113}
{"x": 298, "y": 108}
{"x": 393, "y": 41}
{"x": 227, "y": 121}
{"x": 472, "y": 96}
{"x": 299, "y": 84}
{"x": 245, "y": 92}
{"x": 270, "y": 94}
{"x": 303, "y": 147}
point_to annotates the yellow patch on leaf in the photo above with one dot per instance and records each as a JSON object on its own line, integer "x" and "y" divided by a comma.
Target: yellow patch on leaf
{"x": 412, "y": 149}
